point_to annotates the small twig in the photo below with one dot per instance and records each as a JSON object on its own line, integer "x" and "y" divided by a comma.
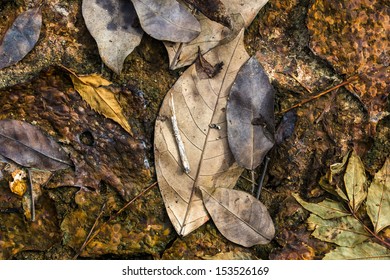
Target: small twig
{"x": 300, "y": 83}
{"x": 350, "y": 80}
{"x": 179, "y": 141}
{"x": 92, "y": 236}
{"x": 32, "y": 205}
{"x": 261, "y": 180}
{"x": 253, "y": 181}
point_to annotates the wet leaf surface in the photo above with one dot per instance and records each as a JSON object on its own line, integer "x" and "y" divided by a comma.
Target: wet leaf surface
{"x": 112, "y": 23}
{"x": 240, "y": 217}
{"x": 345, "y": 231}
{"x": 21, "y": 37}
{"x": 378, "y": 198}
{"x": 363, "y": 251}
{"x": 26, "y": 145}
{"x": 95, "y": 90}
{"x": 213, "y": 33}
{"x": 199, "y": 103}
{"x": 167, "y": 20}
{"x": 250, "y": 115}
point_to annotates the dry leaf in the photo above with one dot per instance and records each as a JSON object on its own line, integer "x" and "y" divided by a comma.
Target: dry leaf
{"x": 378, "y": 198}
{"x": 240, "y": 217}
{"x": 167, "y": 20}
{"x": 326, "y": 209}
{"x": 26, "y": 145}
{"x": 250, "y": 115}
{"x": 95, "y": 91}
{"x": 112, "y": 24}
{"x": 21, "y": 37}
{"x": 355, "y": 181}
{"x": 364, "y": 251}
{"x": 213, "y": 33}
{"x": 344, "y": 231}
{"x": 201, "y": 117}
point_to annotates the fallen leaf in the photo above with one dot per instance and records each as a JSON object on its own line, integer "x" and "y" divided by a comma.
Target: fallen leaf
{"x": 326, "y": 209}
{"x": 201, "y": 117}
{"x": 240, "y": 217}
{"x": 26, "y": 145}
{"x": 167, "y": 20}
{"x": 95, "y": 91}
{"x": 212, "y": 33}
{"x": 21, "y": 37}
{"x": 343, "y": 231}
{"x": 286, "y": 127}
{"x": 250, "y": 115}
{"x": 214, "y": 10}
{"x": 112, "y": 24}
{"x": 364, "y": 251}
{"x": 378, "y": 198}
{"x": 355, "y": 181}
{"x": 204, "y": 69}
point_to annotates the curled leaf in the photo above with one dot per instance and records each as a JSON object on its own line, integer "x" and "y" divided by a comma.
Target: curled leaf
{"x": 21, "y": 37}
{"x": 201, "y": 117}
{"x": 240, "y": 217}
{"x": 95, "y": 91}
{"x": 214, "y": 10}
{"x": 112, "y": 24}
{"x": 26, "y": 145}
{"x": 378, "y": 198}
{"x": 250, "y": 115}
{"x": 167, "y": 20}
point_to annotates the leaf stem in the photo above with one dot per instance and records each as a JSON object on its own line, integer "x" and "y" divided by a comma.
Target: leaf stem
{"x": 91, "y": 236}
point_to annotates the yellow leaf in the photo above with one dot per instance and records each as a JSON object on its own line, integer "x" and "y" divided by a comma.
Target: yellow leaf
{"x": 93, "y": 89}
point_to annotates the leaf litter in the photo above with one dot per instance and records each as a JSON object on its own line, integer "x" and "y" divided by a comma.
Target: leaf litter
{"x": 339, "y": 221}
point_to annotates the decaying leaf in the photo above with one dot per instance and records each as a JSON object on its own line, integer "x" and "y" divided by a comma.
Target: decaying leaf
{"x": 364, "y": 251}
{"x": 241, "y": 12}
{"x": 21, "y": 37}
{"x": 204, "y": 69}
{"x": 355, "y": 181}
{"x": 250, "y": 115}
{"x": 344, "y": 231}
{"x": 378, "y": 198}
{"x": 96, "y": 92}
{"x": 240, "y": 217}
{"x": 214, "y": 10}
{"x": 112, "y": 24}
{"x": 326, "y": 209}
{"x": 200, "y": 110}
{"x": 26, "y": 145}
{"x": 167, "y": 20}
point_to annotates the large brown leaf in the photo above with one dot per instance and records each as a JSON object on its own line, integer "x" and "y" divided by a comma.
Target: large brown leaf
{"x": 112, "y": 25}
{"x": 167, "y": 20}
{"x": 240, "y": 217}
{"x": 212, "y": 33}
{"x": 201, "y": 116}
{"x": 250, "y": 115}
{"x": 21, "y": 37}
{"x": 26, "y": 145}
